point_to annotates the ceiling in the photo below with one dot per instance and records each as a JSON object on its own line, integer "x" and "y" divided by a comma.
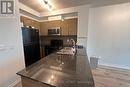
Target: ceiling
{"x": 61, "y": 4}
{"x": 57, "y": 4}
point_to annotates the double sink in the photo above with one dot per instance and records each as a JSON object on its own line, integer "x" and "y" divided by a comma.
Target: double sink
{"x": 67, "y": 51}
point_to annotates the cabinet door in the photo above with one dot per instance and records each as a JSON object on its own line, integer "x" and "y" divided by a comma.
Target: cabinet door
{"x": 72, "y": 26}
{"x": 27, "y": 22}
{"x": 64, "y": 27}
{"x": 21, "y": 18}
{"x": 43, "y": 28}
{"x": 36, "y": 24}
{"x": 52, "y": 24}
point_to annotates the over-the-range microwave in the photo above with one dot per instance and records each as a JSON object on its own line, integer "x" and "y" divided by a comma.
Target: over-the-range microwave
{"x": 54, "y": 31}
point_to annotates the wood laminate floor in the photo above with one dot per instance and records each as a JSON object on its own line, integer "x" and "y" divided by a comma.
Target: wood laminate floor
{"x": 111, "y": 77}
{"x": 108, "y": 77}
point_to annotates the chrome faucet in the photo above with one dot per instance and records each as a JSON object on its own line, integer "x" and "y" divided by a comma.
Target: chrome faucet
{"x": 73, "y": 42}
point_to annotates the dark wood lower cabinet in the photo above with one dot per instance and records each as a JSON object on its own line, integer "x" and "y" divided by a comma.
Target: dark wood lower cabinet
{"x": 26, "y": 82}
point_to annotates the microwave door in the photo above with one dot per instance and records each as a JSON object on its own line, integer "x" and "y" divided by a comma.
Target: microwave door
{"x": 58, "y": 31}
{"x": 53, "y": 31}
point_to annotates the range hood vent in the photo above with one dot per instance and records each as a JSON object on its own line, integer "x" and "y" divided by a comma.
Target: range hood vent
{"x": 55, "y": 18}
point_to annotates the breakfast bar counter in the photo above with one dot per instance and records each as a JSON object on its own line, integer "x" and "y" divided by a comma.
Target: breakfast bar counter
{"x": 59, "y": 70}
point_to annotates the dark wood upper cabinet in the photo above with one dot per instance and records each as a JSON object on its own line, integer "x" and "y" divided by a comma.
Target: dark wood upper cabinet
{"x": 64, "y": 27}
{"x": 72, "y": 26}
{"x": 29, "y": 22}
{"x": 68, "y": 26}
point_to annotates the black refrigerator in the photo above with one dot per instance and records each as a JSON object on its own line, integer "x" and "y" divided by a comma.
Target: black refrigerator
{"x": 31, "y": 45}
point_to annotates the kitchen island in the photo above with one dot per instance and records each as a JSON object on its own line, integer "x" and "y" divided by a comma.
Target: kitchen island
{"x": 59, "y": 70}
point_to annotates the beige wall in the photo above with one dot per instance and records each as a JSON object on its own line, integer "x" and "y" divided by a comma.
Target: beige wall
{"x": 11, "y": 52}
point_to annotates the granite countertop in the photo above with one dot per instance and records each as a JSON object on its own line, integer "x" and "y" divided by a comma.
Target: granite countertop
{"x": 61, "y": 70}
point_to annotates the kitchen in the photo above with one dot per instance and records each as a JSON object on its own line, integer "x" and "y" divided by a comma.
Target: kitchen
{"x": 58, "y": 48}
{"x": 96, "y": 25}
{"x": 54, "y": 35}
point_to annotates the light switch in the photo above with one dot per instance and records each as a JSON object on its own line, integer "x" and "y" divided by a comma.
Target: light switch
{"x": 6, "y": 47}
{"x": 2, "y": 47}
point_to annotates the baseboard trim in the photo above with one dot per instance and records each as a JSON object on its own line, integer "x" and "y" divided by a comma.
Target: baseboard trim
{"x": 114, "y": 68}
{"x": 15, "y": 82}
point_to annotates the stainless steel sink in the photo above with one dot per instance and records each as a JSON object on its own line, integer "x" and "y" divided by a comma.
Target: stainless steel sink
{"x": 67, "y": 51}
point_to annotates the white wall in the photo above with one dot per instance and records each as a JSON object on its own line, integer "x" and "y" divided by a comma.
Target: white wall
{"x": 109, "y": 35}
{"x": 11, "y": 52}
{"x": 28, "y": 9}
{"x": 83, "y": 15}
